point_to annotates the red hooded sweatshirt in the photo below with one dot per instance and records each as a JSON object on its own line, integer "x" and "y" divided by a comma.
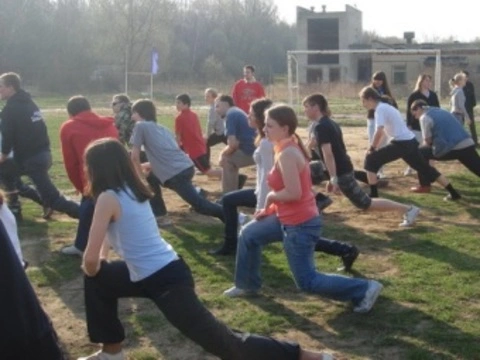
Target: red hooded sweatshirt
{"x": 75, "y": 135}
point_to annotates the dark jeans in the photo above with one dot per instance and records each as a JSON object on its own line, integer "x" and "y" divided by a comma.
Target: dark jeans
{"x": 25, "y": 331}
{"x": 213, "y": 140}
{"x": 36, "y": 168}
{"x": 247, "y": 198}
{"x": 468, "y": 157}
{"x": 473, "y": 129}
{"x": 11, "y": 182}
{"x": 182, "y": 185}
{"x": 230, "y": 202}
{"x": 156, "y": 202}
{"x": 409, "y": 152}
{"x": 87, "y": 208}
{"x": 172, "y": 290}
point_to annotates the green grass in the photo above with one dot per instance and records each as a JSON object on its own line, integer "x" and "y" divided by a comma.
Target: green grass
{"x": 430, "y": 307}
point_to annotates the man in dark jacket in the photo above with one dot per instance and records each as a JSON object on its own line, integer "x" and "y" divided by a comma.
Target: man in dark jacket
{"x": 470, "y": 103}
{"x": 24, "y": 132}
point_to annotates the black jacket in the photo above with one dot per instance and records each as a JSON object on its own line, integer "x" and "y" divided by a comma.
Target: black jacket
{"x": 23, "y": 128}
{"x": 470, "y": 100}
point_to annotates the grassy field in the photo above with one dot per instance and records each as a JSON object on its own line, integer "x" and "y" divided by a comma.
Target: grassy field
{"x": 430, "y": 307}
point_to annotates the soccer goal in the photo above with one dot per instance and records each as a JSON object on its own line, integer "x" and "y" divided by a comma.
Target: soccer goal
{"x": 345, "y": 66}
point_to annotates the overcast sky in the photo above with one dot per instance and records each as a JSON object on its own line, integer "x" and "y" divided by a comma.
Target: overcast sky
{"x": 430, "y": 20}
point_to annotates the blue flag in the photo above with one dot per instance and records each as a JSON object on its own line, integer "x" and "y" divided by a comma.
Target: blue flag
{"x": 154, "y": 61}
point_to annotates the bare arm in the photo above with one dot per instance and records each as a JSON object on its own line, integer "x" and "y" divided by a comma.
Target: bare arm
{"x": 329, "y": 159}
{"x": 377, "y": 137}
{"x": 106, "y": 210}
{"x": 135, "y": 156}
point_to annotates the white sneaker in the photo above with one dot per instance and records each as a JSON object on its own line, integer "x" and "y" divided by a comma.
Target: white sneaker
{"x": 410, "y": 216}
{"x": 234, "y": 292}
{"x": 71, "y": 250}
{"x": 374, "y": 289}
{"x": 100, "y": 355}
{"x": 408, "y": 171}
{"x": 381, "y": 174}
{"x": 242, "y": 218}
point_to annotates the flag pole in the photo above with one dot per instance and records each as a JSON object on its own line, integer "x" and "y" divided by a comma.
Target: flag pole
{"x": 151, "y": 86}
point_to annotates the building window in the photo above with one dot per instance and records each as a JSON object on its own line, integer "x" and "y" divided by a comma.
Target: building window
{"x": 323, "y": 34}
{"x": 399, "y": 74}
{"x": 334, "y": 75}
{"x": 314, "y": 76}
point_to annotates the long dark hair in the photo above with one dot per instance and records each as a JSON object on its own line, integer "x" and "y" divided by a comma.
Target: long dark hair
{"x": 109, "y": 167}
{"x": 284, "y": 115}
{"x": 258, "y": 108}
{"x": 381, "y": 76}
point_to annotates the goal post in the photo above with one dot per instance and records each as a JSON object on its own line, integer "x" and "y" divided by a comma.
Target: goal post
{"x": 294, "y": 63}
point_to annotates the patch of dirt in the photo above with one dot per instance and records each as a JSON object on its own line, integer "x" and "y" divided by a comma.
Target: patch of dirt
{"x": 65, "y": 304}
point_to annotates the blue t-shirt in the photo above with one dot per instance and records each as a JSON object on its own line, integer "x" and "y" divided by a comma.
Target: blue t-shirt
{"x": 236, "y": 124}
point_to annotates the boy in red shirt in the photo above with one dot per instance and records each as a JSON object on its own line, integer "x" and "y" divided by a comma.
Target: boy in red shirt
{"x": 189, "y": 136}
{"x": 247, "y": 89}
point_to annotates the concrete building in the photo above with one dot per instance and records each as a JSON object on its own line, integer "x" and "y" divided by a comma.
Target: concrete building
{"x": 328, "y": 31}
{"x": 342, "y": 30}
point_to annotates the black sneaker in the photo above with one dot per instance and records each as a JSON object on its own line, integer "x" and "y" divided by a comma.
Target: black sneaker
{"x": 47, "y": 212}
{"x": 242, "y": 179}
{"x": 449, "y": 197}
{"x": 322, "y": 201}
{"x": 17, "y": 212}
{"x": 349, "y": 258}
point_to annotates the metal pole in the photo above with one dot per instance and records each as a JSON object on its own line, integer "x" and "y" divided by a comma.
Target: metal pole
{"x": 438, "y": 74}
{"x": 289, "y": 79}
{"x": 151, "y": 86}
{"x": 126, "y": 70}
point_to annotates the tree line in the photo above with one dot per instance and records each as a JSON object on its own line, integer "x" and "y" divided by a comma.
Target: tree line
{"x": 65, "y": 45}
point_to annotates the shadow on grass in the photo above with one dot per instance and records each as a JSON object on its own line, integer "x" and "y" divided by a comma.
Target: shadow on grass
{"x": 395, "y": 331}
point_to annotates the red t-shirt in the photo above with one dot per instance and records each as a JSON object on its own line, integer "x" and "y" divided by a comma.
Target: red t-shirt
{"x": 244, "y": 93}
{"x": 187, "y": 127}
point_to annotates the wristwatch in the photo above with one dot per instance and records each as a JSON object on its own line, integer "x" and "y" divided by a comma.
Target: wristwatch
{"x": 334, "y": 180}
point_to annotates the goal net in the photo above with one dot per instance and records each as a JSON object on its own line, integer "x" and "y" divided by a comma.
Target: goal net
{"x": 344, "y": 72}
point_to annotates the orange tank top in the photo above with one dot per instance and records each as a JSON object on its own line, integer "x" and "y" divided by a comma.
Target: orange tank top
{"x": 297, "y": 211}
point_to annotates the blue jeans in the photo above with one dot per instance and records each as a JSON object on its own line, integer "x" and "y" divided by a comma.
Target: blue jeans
{"x": 182, "y": 185}
{"x": 87, "y": 208}
{"x": 299, "y": 243}
{"x": 36, "y": 168}
{"x": 253, "y": 237}
{"x": 230, "y": 202}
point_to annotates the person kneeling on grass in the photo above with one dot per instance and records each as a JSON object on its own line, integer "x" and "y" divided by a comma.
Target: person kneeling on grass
{"x": 444, "y": 139}
{"x": 290, "y": 213}
{"x": 167, "y": 161}
{"x": 329, "y": 138}
{"x": 150, "y": 268}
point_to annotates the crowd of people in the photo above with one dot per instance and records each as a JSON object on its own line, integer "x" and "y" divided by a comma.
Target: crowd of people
{"x": 119, "y": 165}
